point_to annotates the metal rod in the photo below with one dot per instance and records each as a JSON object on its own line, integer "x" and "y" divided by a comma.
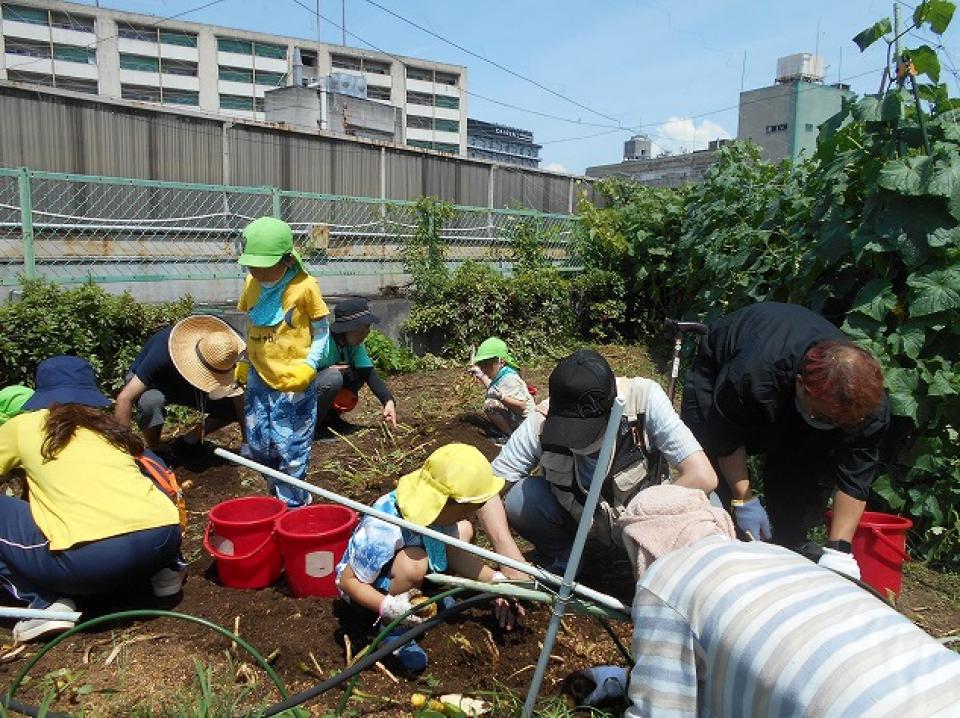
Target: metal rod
{"x": 576, "y": 552}
{"x": 10, "y": 612}
{"x": 536, "y": 571}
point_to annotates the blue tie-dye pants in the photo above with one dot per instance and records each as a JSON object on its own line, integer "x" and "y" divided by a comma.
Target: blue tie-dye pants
{"x": 280, "y": 429}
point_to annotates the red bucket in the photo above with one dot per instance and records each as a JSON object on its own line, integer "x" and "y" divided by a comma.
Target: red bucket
{"x": 239, "y": 536}
{"x": 312, "y": 540}
{"x": 880, "y": 547}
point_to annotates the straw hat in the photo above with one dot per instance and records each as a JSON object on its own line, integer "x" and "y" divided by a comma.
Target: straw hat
{"x": 204, "y": 349}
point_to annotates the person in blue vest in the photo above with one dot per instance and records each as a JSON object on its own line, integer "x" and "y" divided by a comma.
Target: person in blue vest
{"x": 346, "y": 368}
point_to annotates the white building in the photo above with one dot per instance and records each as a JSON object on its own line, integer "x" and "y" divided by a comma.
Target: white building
{"x": 216, "y": 69}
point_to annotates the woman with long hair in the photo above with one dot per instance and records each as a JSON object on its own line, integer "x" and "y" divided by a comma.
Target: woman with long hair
{"x": 93, "y": 520}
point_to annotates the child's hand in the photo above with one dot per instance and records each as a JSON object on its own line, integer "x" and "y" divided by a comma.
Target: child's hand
{"x": 476, "y": 372}
{"x": 297, "y": 378}
{"x": 509, "y": 614}
{"x": 392, "y": 607}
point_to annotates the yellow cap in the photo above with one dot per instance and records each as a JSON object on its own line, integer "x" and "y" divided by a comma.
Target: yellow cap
{"x": 455, "y": 471}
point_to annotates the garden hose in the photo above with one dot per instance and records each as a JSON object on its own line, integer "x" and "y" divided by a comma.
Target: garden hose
{"x": 616, "y": 640}
{"x": 9, "y": 703}
{"x": 379, "y": 654}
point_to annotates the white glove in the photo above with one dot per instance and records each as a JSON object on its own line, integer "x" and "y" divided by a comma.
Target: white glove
{"x": 841, "y": 562}
{"x": 497, "y": 577}
{"x": 392, "y": 607}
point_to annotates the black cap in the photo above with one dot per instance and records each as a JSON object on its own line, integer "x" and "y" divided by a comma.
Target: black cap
{"x": 582, "y": 391}
{"x": 351, "y": 314}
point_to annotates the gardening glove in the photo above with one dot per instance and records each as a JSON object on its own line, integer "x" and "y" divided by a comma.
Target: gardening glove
{"x": 599, "y": 686}
{"x": 840, "y": 562}
{"x": 392, "y": 607}
{"x": 297, "y": 378}
{"x": 240, "y": 372}
{"x": 752, "y": 519}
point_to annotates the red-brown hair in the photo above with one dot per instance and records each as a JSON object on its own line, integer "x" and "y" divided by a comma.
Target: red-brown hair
{"x": 62, "y": 423}
{"x": 845, "y": 378}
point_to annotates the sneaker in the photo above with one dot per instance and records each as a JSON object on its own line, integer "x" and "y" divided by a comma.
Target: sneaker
{"x": 32, "y": 628}
{"x": 168, "y": 582}
{"x": 324, "y": 435}
{"x": 340, "y": 425}
{"x": 411, "y": 656}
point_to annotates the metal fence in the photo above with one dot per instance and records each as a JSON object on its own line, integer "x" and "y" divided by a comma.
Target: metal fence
{"x": 76, "y": 228}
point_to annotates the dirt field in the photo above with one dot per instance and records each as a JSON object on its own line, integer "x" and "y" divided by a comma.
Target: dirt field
{"x": 113, "y": 669}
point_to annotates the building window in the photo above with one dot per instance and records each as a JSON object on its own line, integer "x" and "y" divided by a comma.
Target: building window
{"x": 27, "y": 48}
{"x": 77, "y": 85}
{"x": 262, "y": 49}
{"x": 375, "y": 92}
{"x": 236, "y": 102}
{"x": 446, "y": 125}
{"x": 143, "y": 63}
{"x": 345, "y": 62}
{"x": 70, "y": 21}
{"x": 229, "y": 44}
{"x": 141, "y": 93}
{"x": 36, "y": 78}
{"x": 183, "y": 39}
{"x": 181, "y": 97}
{"x": 236, "y": 74}
{"x": 375, "y": 67}
{"x": 446, "y": 78}
{"x": 270, "y": 79}
{"x": 19, "y": 13}
{"x": 421, "y": 144}
{"x": 143, "y": 33}
{"x": 419, "y": 98}
{"x": 178, "y": 67}
{"x": 75, "y": 53}
{"x": 258, "y": 103}
{"x": 776, "y": 128}
{"x": 451, "y": 103}
{"x": 419, "y": 73}
{"x": 419, "y": 123}
{"x": 446, "y": 147}
{"x": 810, "y": 127}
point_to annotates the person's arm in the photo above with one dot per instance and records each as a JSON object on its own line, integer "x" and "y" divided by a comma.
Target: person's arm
{"x": 674, "y": 439}
{"x": 360, "y": 593}
{"x": 735, "y": 473}
{"x": 493, "y": 521}
{"x": 320, "y": 335}
{"x": 123, "y": 411}
{"x": 9, "y": 448}
{"x": 846, "y": 516}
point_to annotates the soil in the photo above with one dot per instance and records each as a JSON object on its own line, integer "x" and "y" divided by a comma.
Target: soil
{"x": 143, "y": 665}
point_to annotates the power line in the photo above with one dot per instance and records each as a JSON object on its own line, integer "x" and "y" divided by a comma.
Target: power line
{"x": 494, "y": 63}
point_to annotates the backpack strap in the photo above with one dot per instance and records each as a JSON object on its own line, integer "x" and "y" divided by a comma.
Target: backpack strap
{"x": 152, "y": 467}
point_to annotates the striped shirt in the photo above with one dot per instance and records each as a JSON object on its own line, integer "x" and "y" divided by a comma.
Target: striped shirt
{"x": 724, "y": 628}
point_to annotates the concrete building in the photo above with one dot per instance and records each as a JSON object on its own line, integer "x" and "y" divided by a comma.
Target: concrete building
{"x": 784, "y": 118}
{"x": 500, "y": 143}
{"x": 664, "y": 171}
{"x": 337, "y": 112}
{"x": 217, "y": 69}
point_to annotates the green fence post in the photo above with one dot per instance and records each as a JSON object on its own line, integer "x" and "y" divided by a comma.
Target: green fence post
{"x": 276, "y": 202}
{"x": 26, "y": 220}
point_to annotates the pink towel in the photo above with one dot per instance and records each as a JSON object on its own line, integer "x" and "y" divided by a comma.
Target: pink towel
{"x": 665, "y": 518}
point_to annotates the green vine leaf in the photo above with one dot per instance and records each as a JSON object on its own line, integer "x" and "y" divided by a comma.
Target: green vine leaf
{"x": 913, "y": 335}
{"x": 935, "y": 291}
{"x": 935, "y": 13}
{"x": 909, "y": 175}
{"x": 925, "y": 61}
{"x": 945, "y": 176}
{"x": 944, "y": 383}
{"x": 902, "y": 388}
{"x": 873, "y": 33}
{"x": 875, "y": 300}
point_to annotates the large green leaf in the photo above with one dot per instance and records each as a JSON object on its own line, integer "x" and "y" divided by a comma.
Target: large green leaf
{"x": 944, "y": 383}
{"x": 942, "y": 237}
{"x": 866, "y": 109}
{"x": 913, "y": 335}
{"x": 936, "y": 13}
{"x": 885, "y": 491}
{"x": 873, "y": 33}
{"x": 909, "y": 175}
{"x": 875, "y": 300}
{"x": 926, "y": 62}
{"x": 935, "y": 291}
{"x": 902, "y": 388}
{"x": 861, "y": 328}
{"x": 892, "y": 106}
{"x": 944, "y": 176}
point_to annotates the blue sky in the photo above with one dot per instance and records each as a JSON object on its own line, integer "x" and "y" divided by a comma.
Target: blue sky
{"x": 671, "y": 69}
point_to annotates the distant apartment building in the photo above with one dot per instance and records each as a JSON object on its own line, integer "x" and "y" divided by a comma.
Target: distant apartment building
{"x": 641, "y": 166}
{"x": 501, "y": 143}
{"x": 784, "y": 118}
{"x": 216, "y": 69}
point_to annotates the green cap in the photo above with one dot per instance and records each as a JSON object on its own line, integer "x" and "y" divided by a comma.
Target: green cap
{"x": 266, "y": 241}
{"x": 494, "y": 348}
{"x": 12, "y": 399}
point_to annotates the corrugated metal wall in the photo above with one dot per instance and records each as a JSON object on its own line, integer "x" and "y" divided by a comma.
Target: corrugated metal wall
{"x": 47, "y": 131}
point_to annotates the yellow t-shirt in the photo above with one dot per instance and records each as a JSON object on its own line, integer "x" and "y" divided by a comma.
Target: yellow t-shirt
{"x": 90, "y": 491}
{"x": 273, "y": 350}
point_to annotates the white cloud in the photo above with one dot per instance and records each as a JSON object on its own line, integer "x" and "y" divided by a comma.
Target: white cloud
{"x": 556, "y": 167}
{"x": 682, "y": 134}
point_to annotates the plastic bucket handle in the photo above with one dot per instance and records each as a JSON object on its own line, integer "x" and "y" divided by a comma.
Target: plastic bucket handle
{"x": 217, "y": 554}
{"x": 890, "y": 544}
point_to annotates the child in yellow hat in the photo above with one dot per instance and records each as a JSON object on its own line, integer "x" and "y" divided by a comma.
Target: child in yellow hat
{"x": 384, "y": 565}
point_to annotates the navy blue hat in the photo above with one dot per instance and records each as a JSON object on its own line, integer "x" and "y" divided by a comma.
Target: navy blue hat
{"x": 65, "y": 380}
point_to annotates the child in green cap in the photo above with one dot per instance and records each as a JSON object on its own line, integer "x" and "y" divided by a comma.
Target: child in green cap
{"x": 12, "y": 399}
{"x": 287, "y": 336}
{"x": 508, "y": 400}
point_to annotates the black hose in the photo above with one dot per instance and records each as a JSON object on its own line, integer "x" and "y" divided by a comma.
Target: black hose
{"x": 616, "y": 640}
{"x": 377, "y": 655}
{"x": 28, "y": 710}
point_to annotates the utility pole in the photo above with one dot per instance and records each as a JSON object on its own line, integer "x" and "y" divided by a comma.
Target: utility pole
{"x": 318, "y": 21}
{"x": 343, "y": 21}
{"x": 896, "y": 31}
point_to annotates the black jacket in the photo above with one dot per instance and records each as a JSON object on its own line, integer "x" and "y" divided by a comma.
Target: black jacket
{"x": 743, "y": 387}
